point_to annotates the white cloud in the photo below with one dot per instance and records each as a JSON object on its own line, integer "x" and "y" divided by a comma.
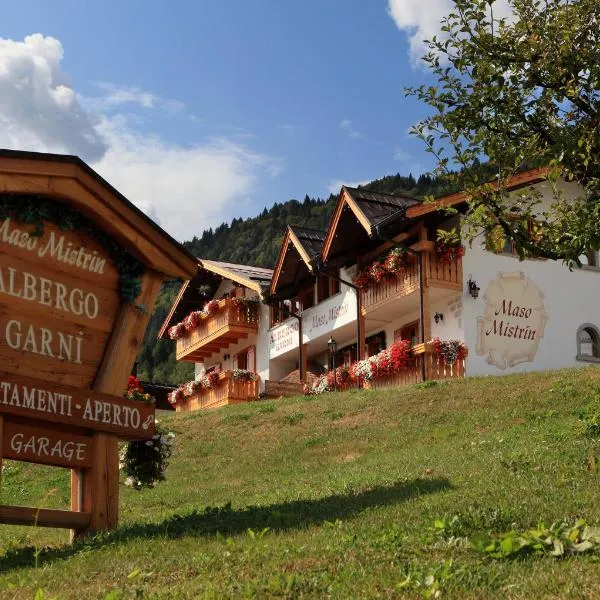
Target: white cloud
{"x": 420, "y": 19}
{"x": 185, "y": 188}
{"x": 347, "y": 127}
{"x": 335, "y": 185}
{"x": 38, "y": 108}
{"x": 115, "y": 97}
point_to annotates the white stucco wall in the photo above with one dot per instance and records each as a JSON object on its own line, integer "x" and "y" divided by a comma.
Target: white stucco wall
{"x": 570, "y": 299}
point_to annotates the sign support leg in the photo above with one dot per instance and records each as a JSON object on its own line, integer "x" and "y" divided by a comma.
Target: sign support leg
{"x": 96, "y": 490}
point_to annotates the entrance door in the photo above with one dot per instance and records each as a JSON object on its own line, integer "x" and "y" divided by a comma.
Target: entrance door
{"x": 410, "y": 331}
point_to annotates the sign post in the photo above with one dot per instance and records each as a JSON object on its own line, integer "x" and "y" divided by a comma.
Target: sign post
{"x": 80, "y": 271}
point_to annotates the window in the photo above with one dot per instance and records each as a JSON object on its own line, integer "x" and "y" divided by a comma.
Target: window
{"x": 496, "y": 241}
{"x": 588, "y": 343}
{"x": 327, "y": 287}
{"x": 409, "y": 331}
{"x": 589, "y": 260}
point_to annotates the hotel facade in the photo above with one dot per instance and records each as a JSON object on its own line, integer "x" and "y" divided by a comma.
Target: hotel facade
{"x": 378, "y": 279}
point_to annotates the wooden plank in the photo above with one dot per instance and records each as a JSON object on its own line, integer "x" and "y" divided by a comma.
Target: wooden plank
{"x": 100, "y": 484}
{"x": 58, "y": 352}
{"x": 43, "y": 517}
{"x": 30, "y": 398}
{"x": 45, "y": 444}
{"x": 34, "y": 288}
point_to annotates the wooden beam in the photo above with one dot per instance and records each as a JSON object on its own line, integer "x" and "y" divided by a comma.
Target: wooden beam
{"x": 398, "y": 239}
{"x": 517, "y": 181}
{"x": 99, "y": 486}
{"x": 43, "y": 517}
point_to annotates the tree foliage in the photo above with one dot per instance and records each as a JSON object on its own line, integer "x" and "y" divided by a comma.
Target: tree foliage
{"x": 518, "y": 93}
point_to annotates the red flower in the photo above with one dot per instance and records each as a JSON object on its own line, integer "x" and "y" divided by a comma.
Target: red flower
{"x": 400, "y": 354}
{"x": 211, "y": 307}
{"x": 212, "y": 378}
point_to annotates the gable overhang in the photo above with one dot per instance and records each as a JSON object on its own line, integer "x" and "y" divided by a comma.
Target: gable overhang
{"x": 68, "y": 179}
{"x": 226, "y": 273}
{"x": 345, "y": 202}
{"x": 290, "y": 242}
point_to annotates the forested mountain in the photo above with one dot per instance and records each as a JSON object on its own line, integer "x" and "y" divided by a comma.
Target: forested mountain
{"x": 256, "y": 241}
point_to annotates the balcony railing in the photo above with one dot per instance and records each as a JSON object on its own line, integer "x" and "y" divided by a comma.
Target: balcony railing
{"x": 435, "y": 368}
{"x": 231, "y": 322}
{"x": 227, "y": 391}
{"x": 436, "y": 273}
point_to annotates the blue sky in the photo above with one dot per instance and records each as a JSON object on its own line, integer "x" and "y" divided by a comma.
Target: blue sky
{"x": 202, "y": 111}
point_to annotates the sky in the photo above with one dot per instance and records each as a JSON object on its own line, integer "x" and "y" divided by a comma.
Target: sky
{"x": 202, "y": 111}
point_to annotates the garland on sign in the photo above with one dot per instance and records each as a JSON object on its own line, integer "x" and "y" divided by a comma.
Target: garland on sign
{"x": 449, "y": 350}
{"x": 33, "y": 210}
{"x": 387, "y": 362}
{"x": 390, "y": 264}
{"x": 195, "y": 318}
{"x": 144, "y": 462}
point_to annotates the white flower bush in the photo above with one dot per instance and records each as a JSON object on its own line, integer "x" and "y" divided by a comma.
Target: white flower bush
{"x": 144, "y": 462}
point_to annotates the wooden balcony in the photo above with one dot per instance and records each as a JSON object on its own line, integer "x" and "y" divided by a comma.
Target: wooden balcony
{"x": 435, "y": 369}
{"x": 228, "y": 391}
{"x": 230, "y": 323}
{"x": 436, "y": 274}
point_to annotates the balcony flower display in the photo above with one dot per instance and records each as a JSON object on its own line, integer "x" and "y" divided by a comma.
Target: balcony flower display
{"x": 387, "y": 362}
{"x": 449, "y": 350}
{"x": 185, "y": 390}
{"x": 390, "y": 264}
{"x": 211, "y": 307}
{"x": 177, "y": 331}
{"x": 448, "y": 252}
{"x": 195, "y": 318}
{"x": 243, "y": 375}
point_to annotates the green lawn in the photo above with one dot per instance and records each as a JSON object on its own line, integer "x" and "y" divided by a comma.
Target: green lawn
{"x": 336, "y": 496}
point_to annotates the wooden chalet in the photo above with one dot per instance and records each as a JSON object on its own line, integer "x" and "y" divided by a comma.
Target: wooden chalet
{"x": 226, "y": 300}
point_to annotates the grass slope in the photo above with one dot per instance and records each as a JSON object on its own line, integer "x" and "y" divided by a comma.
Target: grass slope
{"x": 335, "y": 496}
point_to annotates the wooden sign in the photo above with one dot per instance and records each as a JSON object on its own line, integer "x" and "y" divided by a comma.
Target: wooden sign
{"x": 30, "y": 398}
{"x": 81, "y": 268}
{"x": 45, "y": 445}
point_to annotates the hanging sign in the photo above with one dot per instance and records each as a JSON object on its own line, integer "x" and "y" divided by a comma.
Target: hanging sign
{"x": 83, "y": 409}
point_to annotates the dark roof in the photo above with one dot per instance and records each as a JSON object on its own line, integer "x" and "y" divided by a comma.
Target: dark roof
{"x": 160, "y": 392}
{"x": 311, "y": 239}
{"x": 75, "y": 160}
{"x": 378, "y": 208}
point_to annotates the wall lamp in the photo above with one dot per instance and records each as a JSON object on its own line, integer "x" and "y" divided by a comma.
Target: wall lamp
{"x": 473, "y": 288}
{"x": 438, "y": 317}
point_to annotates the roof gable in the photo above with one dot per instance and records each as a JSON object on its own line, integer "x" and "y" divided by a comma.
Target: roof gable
{"x": 360, "y": 212}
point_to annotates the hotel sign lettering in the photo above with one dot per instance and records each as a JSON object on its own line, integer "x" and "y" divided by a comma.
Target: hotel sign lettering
{"x": 284, "y": 338}
{"x": 513, "y": 323}
{"x": 58, "y": 303}
{"x": 25, "y": 397}
{"x": 49, "y": 446}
